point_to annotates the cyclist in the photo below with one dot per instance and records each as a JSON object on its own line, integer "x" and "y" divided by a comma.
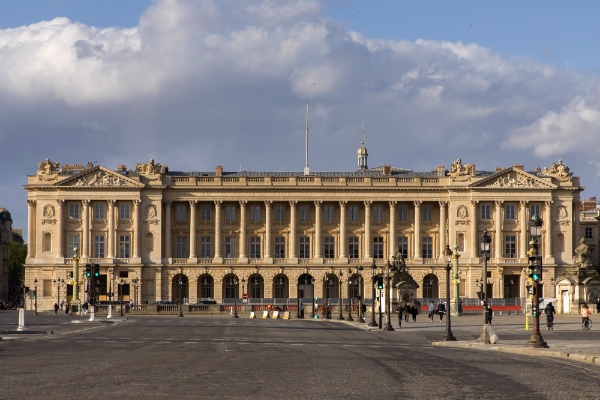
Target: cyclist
{"x": 585, "y": 315}
{"x": 550, "y": 311}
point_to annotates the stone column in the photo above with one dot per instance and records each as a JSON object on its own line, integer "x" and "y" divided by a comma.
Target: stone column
{"x": 85, "y": 227}
{"x": 268, "y": 257}
{"x": 342, "y": 245}
{"x": 293, "y": 226}
{"x": 110, "y": 253}
{"x": 474, "y": 235}
{"x": 193, "y": 222}
{"x": 443, "y": 228}
{"x": 218, "y": 258}
{"x": 392, "y": 239}
{"x": 318, "y": 251}
{"x": 417, "y": 234}
{"x": 368, "y": 257}
{"x": 242, "y": 257}
{"x": 498, "y": 234}
{"x": 137, "y": 230}
{"x": 548, "y": 252}
{"x": 167, "y": 234}
{"x": 523, "y": 247}
{"x": 60, "y": 231}
{"x": 31, "y": 204}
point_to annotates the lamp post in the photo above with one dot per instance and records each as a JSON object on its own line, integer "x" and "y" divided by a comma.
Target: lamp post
{"x": 327, "y": 281}
{"x": 535, "y": 230}
{"x": 180, "y": 285}
{"x": 35, "y": 295}
{"x": 456, "y": 280}
{"x": 359, "y": 279}
{"x": 121, "y": 283}
{"x": 389, "y": 270}
{"x": 235, "y": 282}
{"x": 341, "y": 316}
{"x": 312, "y": 282}
{"x": 59, "y": 282}
{"x": 350, "y": 281}
{"x": 298, "y": 299}
{"x": 485, "y": 251}
{"x": 373, "y": 323}
{"x": 135, "y": 282}
{"x": 448, "y": 336}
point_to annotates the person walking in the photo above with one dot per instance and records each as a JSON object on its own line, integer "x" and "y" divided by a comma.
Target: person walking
{"x": 414, "y": 311}
{"x": 489, "y": 313}
{"x": 431, "y": 310}
{"x": 55, "y": 308}
{"x": 67, "y": 309}
{"x": 441, "y": 309}
{"x": 598, "y": 306}
{"x": 585, "y": 314}
{"x": 399, "y": 310}
{"x": 363, "y": 310}
{"x": 62, "y": 304}
{"x": 301, "y": 310}
{"x": 406, "y": 311}
{"x": 550, "y": 316}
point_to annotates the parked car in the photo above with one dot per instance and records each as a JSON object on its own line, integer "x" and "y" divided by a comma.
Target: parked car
{"x": 166, "y": 302}
{"x": 3, "y": 305}
{"x": 207, "y": 302}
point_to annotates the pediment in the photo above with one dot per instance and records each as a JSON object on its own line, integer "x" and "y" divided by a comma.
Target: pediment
{"x": 511, "y": 178}
{"x": 100, "y": 177}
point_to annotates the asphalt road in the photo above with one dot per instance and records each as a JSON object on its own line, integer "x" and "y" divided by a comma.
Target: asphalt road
{"x": 170, "y": 357}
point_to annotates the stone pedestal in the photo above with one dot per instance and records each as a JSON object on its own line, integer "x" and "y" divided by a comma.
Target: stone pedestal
{"x": 75, "y": 306}
{"x": 454, "y": 308}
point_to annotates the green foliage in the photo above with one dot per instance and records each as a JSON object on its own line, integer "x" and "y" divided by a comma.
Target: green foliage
{"x": 17, "y": 252}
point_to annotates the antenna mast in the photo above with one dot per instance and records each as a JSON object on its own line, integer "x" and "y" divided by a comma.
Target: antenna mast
{"x": 306, "y": 169}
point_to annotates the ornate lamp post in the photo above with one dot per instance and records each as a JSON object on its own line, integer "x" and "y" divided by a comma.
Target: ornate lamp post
{"x": 448, "y": 336}
{"x": 135, "y": 282}
{"x": 327, "y": 283}
{"x": 535, "y": 230}
{"x": 312, "y": 282}
{"x": 235, "y": 282}
{"x": 456, "y": 281}
{"x": 373, "y": 323}
{"x": 35, "y": 295}
{"x": 121, "y": 283}
{"x": 341, "y": 316}
{"x": 350, "y": 282}
{"x": 298, "y": 299}
{"x": 359, "y": 279}
{"x": 485, "y": 252}
{"x": 59, "y": 282}
{"x": 389, "y": 270}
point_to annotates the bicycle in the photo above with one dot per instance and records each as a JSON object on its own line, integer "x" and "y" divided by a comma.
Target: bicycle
{"x": 586, "y": 324}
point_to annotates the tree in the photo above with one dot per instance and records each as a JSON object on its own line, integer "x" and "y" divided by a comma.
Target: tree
{"x": 17, "y": 252}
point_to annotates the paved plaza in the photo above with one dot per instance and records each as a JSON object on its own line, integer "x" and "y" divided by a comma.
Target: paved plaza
{"x": 217, "y": 357}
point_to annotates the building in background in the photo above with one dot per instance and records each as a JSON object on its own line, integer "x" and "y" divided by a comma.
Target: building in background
{"x": 7, "y": 236}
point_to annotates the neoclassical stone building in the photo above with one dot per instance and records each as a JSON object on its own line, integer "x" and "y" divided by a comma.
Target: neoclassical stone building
{"x": 276, "y": 230}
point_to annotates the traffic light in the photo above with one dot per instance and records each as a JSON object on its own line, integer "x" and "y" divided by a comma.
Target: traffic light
{"x": 380, "y": 282}
{"x": 96, "y": 270}
{"x": 535, "y": 269}
{"x": 88, "y": 270}
{"x": 534, "y": 310}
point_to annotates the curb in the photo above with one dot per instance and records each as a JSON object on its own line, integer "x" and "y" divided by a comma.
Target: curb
{"x": 587, "y": 358}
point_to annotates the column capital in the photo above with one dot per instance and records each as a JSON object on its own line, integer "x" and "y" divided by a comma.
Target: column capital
{"x": 474, "y": 203}
{"x": 499, "y": 203}
{"x": 524, "y": 202}
{"x": 343, "y": 203}
{"x": 368, "y": 203}
{"x": 168, "y": 202}
{"x": 218, "y": 203}
{"x": 443, "y": 203}
{"x": 318, "y": 203}
{"x": 86, "y": 203}
{"x": 111, "y": 202}
{"x": 392, "y": 203}
{"x": 136, "y": 203}
{"x": 293, "y": 203}
{"x": 60, "y": 202}
{"x": 193, "y": 203}
{"x": 243, "y": 203}
{"x": 417, "y": 203}
{"x": 268, "y": 203}
{"x": 548, "y": 203}
{"x": 32, "y": 203}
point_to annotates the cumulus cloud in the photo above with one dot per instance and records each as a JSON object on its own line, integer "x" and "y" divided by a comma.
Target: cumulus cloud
{"x": 198, "y": 84}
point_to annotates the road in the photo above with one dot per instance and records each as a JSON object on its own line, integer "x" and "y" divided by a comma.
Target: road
{"x": 170, "y": 357}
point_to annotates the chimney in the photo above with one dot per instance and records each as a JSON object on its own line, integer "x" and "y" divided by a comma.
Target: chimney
{"x": 441, "y": 169}
{"x": 165, "y": 169}
{"x": 90, "y": 165}
{"x": 122, "y": 167}
{"x": 520, "y": 167}
{"x": 219, "y": 170}
{"x": 386, "y": 169}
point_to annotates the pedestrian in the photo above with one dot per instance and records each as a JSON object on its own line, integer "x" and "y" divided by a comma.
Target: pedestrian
{"x": 598, "y": 306}
{"x": 550, "y": 316}
{"x": 489, "y": 313}
{"x": 67, "y": 309}
{"x": 55, "y": 308}
{"x": 328, "y": 311}
{"x": 399, "y": 310}
{"x": 363, "y": 310}
{"x": 431, "y": 311}
{"x": 414, "y": 311}
{"x": 441, "y": 309}
{"x": 406, "y": 311}
{"x": 62, "y": 304}
{"x": 301, "y": 310}
{"x": 585, "y": 314}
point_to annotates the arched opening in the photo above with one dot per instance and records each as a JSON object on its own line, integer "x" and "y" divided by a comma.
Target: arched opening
{"x": 180, "y": 287}
{"x": 255, "y": 286}
{"x": 431, "y": 287}
{"x": 47, "y": 242}
{"x": 331, "y": 286}
{"x": 593, "y": 296}
{"x": 460, "y": 241}
{"x": 560, "y": 243}
{"x": 230, "y": 286}
{"x": 306, "y": 288}
{"x": 206, "y": 287}
{"x": 281, "y": 287}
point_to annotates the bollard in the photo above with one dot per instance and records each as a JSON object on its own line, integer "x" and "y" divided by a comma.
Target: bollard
{"x": 21, "y": 319}
{"x": 527, "y": 322}
{"x": 91, "y": 313}
{"x": 109, "y": 311}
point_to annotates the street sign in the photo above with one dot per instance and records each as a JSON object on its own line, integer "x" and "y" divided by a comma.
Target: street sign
{"x": 245, "y": 296}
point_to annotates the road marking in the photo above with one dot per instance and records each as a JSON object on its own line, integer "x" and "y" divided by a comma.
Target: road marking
{"x": 162, "y": 342}
{"x": 218, "y": 339}
{"x": 138, "y": 341}
{"x": 111, "y": 341}
{"x": 375, "y": 347}
{"x": 83, "y": 341}
{"x": 190, "y": 342}
{"x": 349, "y": 345}
{"x": 125, "y": 338}
{"x": 296, "y": 344}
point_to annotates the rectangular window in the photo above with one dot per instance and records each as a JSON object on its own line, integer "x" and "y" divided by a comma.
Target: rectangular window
{"x": 304, "y": 214}
{"x": 180, "y": 213}
{"x": 509, "y": 211}
{"x": 353, "y": 247}
{"x": 588, "y": 233}
{"x": 485, "y": 211}
{"x": 230, "y": 247}
{"x": 403, "y": 246}
{"x": 353, "y": 213}
{"x": 377, "y": 214}
{"x": 254, "y": 213}
{"x": 205, "y": 247}
{"x": 98, "y": 246}
{"x": 181, "y": 247}
{"x": 99, "y": 211}
{"x": 124, "y": 246}
{"x": 73, "y": 241}
{"x": 427, "y": 247}
{"x": 328, "y": 247}
{"x": 304, "y": 247}
{"x": 124, "y": 211}
{"x": 279, "y": 213}
{"x": 230, "y": 213}
{"x": 254, "y": 247}
{"x": 427, "y": 213}
{"x": 402, "y": 213}
{"x": 279, "y": 247}
{"x": 534, "y": 209}
{"x": 510, "y": 247}
{"x": 205, "y": 213}
{"x": 377, "y": 247}
{"x": 328, "y": 214}
{"x": 74, "y": 210}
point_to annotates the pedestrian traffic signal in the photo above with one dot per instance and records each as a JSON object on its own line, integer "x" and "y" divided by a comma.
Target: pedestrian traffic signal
{"x": 96, "y": 270}
{"x": 534, "y": 311}
{"x": 380, "y": 282}
{"x": 535, "y": 268}
{"x": 88, "y": 270}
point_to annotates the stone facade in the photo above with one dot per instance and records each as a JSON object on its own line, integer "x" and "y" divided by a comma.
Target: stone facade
{"x": 7, "y": 236}
{"x": 278, "y": 229}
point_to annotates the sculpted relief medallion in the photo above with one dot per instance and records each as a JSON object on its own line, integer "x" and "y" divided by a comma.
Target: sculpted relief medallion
{"x": 100, "y": 179}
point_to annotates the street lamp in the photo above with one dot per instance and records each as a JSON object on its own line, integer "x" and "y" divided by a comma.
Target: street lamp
{"x": 341, "y": 316}
{"x": 298, "y": 299}
{"x": 180, "y": 284}
{"x": 389, "y": 270}
{"x": 373, "y": 323}
{"x": 327, "y": 282}
{"x": 359, "y": 279}
{"x": 35, "y": 294}
{"x": 312, "y": 282}
{"x": 234, "y": 282}
{"x": 243, "y": 292}
{"x": 135, "y": 282}
{"x": 121, "y": 283}
{"x": 485, "y": 251}
{"x": 535, "y": 230}
{"x": 59, "y": 282}
{"x": 448, "y": 337}
{"x": 456, "y": 280}
{"x": 349, "y": 317}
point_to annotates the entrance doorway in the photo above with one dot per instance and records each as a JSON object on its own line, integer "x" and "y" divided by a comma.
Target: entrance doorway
{"x": 512, "y": 286}
{"x": 566, "y": 303}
